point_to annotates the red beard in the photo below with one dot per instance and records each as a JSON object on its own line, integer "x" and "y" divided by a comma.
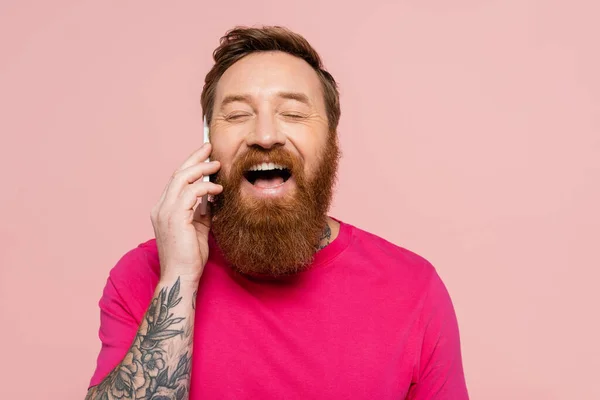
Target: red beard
{"x": 277, "y": 236}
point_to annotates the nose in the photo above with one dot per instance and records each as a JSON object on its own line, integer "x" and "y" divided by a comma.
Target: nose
{"x": 265, "y": 133}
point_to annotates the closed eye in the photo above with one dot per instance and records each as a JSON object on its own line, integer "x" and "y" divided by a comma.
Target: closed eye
{"x": 236, "y": 117}
{"x": 293, "y": 115}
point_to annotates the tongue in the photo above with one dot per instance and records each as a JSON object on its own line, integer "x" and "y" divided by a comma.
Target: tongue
{"x": 267, "y": 183}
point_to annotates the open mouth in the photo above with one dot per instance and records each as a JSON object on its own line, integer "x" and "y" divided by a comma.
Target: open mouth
{"x": 267, "y": 175}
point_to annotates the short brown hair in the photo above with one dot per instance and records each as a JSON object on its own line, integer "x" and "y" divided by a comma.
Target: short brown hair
{"x": 242, "y": 41}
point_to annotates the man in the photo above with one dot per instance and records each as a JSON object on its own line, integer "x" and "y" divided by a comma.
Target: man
{"x": 266, "y": 296}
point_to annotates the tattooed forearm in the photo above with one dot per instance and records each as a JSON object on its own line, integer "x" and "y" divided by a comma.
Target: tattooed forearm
{"x": 158, "y": 364}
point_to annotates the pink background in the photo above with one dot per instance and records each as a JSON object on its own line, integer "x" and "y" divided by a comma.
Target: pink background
{"x": 470, "y": 131}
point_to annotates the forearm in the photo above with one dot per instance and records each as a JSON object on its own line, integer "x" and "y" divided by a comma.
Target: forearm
{"x": 159, "y": 359}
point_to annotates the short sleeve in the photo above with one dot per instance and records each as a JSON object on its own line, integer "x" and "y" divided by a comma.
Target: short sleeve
{"x": 440, "y": 372}
{"x": 125, "y": 298}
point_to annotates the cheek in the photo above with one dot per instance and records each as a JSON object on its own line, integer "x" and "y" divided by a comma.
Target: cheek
{"x": 225, "y": 145}
{"x": 311, "y": 152}
{"x": 222, "y": 152}
{"x": 224, "y": 159}
{"x": 225, "y": 170}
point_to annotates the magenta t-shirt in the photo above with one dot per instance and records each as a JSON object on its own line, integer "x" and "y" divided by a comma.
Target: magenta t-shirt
{"x": 369, "y": 320}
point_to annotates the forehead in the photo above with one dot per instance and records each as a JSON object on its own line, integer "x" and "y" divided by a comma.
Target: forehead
{"x": 262, "y": 75}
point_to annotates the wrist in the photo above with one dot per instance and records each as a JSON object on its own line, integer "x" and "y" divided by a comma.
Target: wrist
{"x": 186, "y": 282}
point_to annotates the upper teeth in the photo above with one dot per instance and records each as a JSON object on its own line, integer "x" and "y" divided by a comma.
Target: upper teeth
{"x": 266, "y": 167}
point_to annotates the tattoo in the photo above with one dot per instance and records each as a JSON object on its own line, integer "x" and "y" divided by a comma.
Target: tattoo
{"x": 147, "y": 371}
{"x": 194, "y": 299}
{"x": 325, "y": 238}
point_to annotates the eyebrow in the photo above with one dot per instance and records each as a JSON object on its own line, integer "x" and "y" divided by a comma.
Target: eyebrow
{"x": 301, "y": 97}
{"x": 232, "y": 98}
{"x": 245, "y": 98}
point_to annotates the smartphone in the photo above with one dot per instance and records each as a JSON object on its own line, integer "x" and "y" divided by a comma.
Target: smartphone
{"x": 204, "y": 204}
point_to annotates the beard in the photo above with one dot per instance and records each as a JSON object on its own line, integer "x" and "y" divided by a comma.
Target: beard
{"x": 274, "y": 236}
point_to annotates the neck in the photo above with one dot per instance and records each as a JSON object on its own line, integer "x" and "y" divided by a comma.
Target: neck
{"x": 329, "y": 234}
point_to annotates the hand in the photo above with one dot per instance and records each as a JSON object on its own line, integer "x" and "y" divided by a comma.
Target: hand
{"x": 181, "y": 233}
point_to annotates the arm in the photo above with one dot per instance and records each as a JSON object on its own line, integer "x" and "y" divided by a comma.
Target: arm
{"x": 159, "y": 360}
{"x": 440, "y": 370}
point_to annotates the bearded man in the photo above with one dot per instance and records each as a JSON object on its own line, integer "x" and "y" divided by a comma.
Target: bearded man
{"x": 266, "y": 296}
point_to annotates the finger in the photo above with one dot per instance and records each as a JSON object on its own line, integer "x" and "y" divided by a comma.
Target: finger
{"x": 198, "y": 156}
{"x": 195, "y": 191}
{"x": 188, "y": 176}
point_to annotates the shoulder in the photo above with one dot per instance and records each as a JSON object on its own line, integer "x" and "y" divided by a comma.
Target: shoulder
{"x": 380, "y": 250}
{"x": 134, "y": 276}
{"x": 405, "y": 272}
{"x": 139, "y": 261}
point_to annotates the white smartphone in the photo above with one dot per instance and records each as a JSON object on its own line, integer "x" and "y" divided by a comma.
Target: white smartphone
{"x": 204, "y": 204}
